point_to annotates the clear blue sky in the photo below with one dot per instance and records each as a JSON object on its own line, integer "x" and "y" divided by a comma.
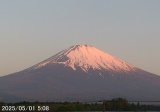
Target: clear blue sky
{"x": 33, "y": 30}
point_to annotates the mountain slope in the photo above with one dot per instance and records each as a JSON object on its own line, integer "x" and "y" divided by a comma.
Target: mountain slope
{"x": 80, "y": 73}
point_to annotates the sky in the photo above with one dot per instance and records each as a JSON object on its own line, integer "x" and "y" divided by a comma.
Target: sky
{"x": 34, "y": 30}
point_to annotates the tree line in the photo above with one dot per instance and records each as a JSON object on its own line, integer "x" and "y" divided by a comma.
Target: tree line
{"x": 117, "y": 104}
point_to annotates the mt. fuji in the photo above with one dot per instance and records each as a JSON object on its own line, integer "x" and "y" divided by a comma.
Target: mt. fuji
{"x": 80, "y": 73}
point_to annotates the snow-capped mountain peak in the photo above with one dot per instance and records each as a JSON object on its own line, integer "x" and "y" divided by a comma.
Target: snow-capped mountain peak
{"x": 80, "y": 73}
{"x": 86, "y": 57}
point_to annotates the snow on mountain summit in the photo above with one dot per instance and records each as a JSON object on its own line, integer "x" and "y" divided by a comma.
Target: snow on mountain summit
{"x": 86, "y": 57}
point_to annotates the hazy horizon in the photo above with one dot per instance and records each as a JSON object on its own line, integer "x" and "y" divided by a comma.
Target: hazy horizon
{"x": 32, "y": 31}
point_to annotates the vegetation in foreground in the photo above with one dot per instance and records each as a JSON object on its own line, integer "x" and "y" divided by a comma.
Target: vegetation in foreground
{"x": 118, "y": 104}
